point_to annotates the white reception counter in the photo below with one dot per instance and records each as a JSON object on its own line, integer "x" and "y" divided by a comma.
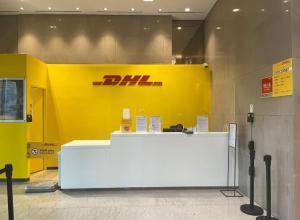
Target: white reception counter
{"x": 146, "y": 160}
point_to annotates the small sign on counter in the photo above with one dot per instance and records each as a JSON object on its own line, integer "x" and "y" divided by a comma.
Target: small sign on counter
{"x": 141, "y": 124}
{"x": 202, "y": 123}
{"x": 155, "y": 124}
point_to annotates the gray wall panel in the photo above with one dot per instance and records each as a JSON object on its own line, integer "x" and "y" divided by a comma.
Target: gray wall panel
{"x": 96, "y": 39}
{"x": 241, "y": 53}
{"x": 9, "y": 34}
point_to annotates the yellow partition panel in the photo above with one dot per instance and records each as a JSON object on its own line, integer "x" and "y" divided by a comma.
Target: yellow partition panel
{"x": 13, "y": 142}
{"x": 36, "y": 127}
{"x": 36, "y": 86}
{"x": 12, "y": 65}
{"x": 13, "y": 135}
{"x": 77, "y": 109}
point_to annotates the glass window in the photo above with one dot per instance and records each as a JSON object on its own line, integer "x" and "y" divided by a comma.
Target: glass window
{"x": 12, "y": 100}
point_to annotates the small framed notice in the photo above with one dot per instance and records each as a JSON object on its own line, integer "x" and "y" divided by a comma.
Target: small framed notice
{"x": 155, "y": 124}
{"x": 232, "y": 135}
{"x": 202, "y": 123}
{"x": 141, "y": 124}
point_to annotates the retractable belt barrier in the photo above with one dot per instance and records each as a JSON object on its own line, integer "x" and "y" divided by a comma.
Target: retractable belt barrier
{"x": 8, "y": 169}
{"x": 268, "y": 159}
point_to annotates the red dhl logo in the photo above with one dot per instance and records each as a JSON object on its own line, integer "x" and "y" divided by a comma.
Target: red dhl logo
{"x": 130, "y": 80}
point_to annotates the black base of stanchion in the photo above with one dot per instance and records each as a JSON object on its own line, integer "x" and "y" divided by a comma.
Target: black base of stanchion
{"x": 252, "y": 210}
{"x": 266, "y": 218}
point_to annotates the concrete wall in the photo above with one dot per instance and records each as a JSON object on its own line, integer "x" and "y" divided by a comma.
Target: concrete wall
{"x": 188, "y": 43}
{"x": 89, "y": 38}
{"x": 295, "y": 7}
{"x": 96, "y": 39}
{"x": 8, "y": 34}
{"x": 241, "y": 53}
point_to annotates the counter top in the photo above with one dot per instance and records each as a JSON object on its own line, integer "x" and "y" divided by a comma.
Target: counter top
{"x": 87, "y": 143}
{"x": 138, "y": 134}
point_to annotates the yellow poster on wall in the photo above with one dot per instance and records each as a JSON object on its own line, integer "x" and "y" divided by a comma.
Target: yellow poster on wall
{"x": 283, "y": 78}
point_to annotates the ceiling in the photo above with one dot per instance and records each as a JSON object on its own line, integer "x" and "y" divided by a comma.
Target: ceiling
{"x": 198, "y": 8}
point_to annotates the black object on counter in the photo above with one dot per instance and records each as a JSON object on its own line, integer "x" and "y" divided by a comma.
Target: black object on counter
{"x": 175, "y": 128}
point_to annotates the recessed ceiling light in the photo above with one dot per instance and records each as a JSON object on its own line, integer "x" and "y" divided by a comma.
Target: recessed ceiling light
{"x": 49, "y": 8}
{"x": 21, "y": 8}
{"x": 236, "y": 10}
{"x": 285, "y": 1}
{"x": 132, "y": 9}
{"x": 187, "y": 9}
{"x": 218, "y": 28}
{"x": 179, "y": 28}
{"x": 262, "y": 9}
{"x": 287, "y": 10}
{"x": 160, "y": 10}
{"x": 148, "y": 0}
{"x": 77, "y": 9}
{"x": 105, "y": 9}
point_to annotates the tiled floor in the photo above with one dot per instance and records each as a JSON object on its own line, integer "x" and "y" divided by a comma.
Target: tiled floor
{"x": 163, "y": 204}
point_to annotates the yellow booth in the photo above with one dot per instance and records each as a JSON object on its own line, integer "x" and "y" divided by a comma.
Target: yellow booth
{"x": 65, "y": 102}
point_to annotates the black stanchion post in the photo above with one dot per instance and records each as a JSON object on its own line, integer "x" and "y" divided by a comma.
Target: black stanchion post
{"x": 252, "y": 209}
{"x": 268, "y": 159}
{"x": 10, "y": 203}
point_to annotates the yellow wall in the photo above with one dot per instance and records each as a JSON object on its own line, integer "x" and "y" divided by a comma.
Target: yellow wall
{"x": 12, "y": 65}
{"x": 36, "y": 127}
{"x": 36, "y": 86}
{"x": 13, "y": 140}
{"x": 13, "y": 148}
{"x": 15, "y": 135}
{"x": 78, "y": 110}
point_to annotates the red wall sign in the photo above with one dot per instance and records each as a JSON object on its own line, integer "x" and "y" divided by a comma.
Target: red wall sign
{"x": 130, "y": 80}
{"x": 267, "y": 86}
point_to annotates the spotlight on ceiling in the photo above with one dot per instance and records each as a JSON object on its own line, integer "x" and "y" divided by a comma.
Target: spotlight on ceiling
{"x": 187, "y": 9}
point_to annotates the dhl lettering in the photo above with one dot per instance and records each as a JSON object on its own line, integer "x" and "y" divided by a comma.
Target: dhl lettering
{"x": 127, "y": 80}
